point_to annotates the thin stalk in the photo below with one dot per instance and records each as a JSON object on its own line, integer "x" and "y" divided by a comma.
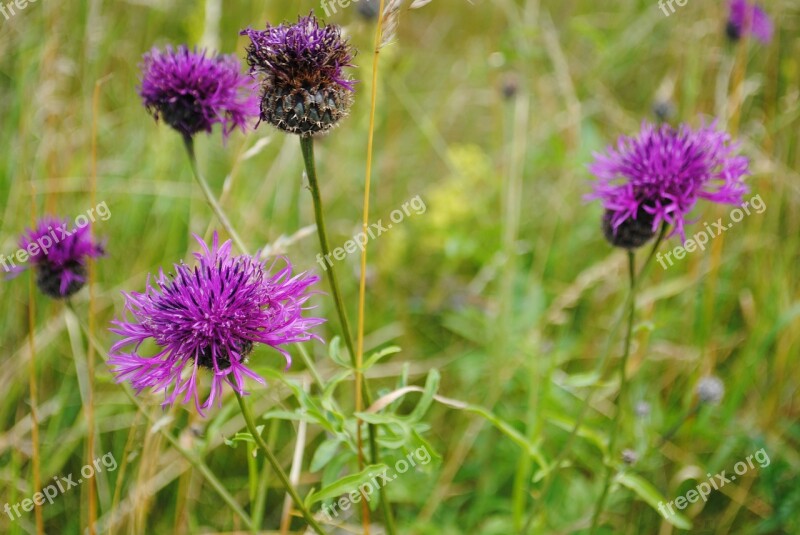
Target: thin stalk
{"x": 276, "y": 466}
{"x": 564, "y": 451}
{"x": 90, "y": 426}
{"x": 612, "y": 442}
{"x": 252, "y": 480}
{"x": 32, "y": 383}
{"x": 674, "y": 429}
{"x": 362, "y": 283}
{"x": 188, "y": 142}
{"x": 260, "y": 505}
{"x": 307, "y": 147}
{"x": 34, "y": 404}
{"x": 190, "y": 456}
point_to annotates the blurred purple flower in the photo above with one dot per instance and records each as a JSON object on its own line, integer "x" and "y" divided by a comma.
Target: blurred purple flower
{"x": 748, "y": 19}
{"x": 209, "y": 316}
{"x": 305, "y": 90}
{"x": 59, "y": 256}
{"x": 658, "y": 176}
{"x": 192, "y": 92}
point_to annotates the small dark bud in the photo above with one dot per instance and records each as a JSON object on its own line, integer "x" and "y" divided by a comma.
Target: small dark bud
{"x": 206, "y": 360}
{"x": 632, "y": 233}
{"x": 733, "y": 32}
{"x": 510, "y": 86}
{"x": 369, "y": 9}
{"x": 664, "y": 111}
{"x": 48, "y": 279}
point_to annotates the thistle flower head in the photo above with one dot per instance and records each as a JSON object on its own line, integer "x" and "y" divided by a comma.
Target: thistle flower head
{"x": 59, "y": 256}
{"x": 710, "y": 389}
{"x": 209, "y": 317}
{"x": 305, "y": 90}
{"x": 658, "y": 176}
{"x": 745, "y": 19}
{"x": 192, "y": 92}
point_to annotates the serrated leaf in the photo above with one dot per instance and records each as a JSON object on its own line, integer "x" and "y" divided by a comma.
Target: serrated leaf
{"x": 650, "y": 495}
{"x": 344, "y": 485}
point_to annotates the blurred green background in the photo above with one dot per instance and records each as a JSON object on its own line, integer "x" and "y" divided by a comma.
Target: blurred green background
{"x": 504, "y": 284}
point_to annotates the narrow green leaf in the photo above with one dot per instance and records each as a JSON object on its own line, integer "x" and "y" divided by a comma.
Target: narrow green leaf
{"x": 376, "y": 357}
{"x": 344, "y": 485}
{"x": 650, "y": 495}
{"x": 324, "y": 454}
{"x": 431, "y": 387}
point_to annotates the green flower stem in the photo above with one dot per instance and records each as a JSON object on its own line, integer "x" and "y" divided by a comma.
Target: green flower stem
{"x": 188, "y": 141}
{"x": 298, "y": 502}
{"x": 674, "y": 429}
{"x": 307, "y": 147}
{"x": 564, "y": 451}
{"x": 612, "y": 442}
{"x": 191, "y": 457}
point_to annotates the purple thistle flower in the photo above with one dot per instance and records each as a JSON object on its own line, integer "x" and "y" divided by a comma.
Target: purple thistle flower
{"x": 192, "y": 92}
{"x": 210, "y": 317}
{"x": 658, "y": 176}
{"x": 59, "y": 256}
{"x": 304, "y": 88}
{"x": 748, "y": 19}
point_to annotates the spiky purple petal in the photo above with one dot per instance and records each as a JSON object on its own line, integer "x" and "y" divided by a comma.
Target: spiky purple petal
{"x": 60, "y": 255}
{"x": 664, "y": 171}
{"x": 192, "y": 92}
{"x": 209, "y": 317}
{"x": 745, "y": 18}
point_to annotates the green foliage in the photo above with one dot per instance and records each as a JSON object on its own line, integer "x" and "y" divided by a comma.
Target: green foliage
{"x": 506, "y": 325}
